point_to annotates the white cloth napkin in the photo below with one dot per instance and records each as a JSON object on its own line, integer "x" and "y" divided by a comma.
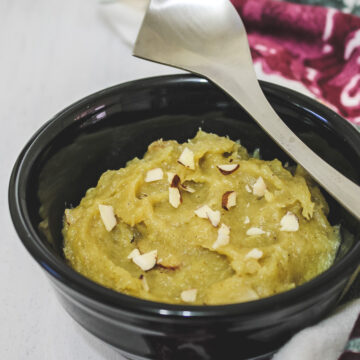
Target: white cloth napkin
{"x": 327, "y": 339}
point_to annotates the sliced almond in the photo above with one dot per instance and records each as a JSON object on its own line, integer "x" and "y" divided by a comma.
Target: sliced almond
{"x": 187, "y": 188}
{"x": 134, "y": 253}
{"x": 202, "y": 211}
{"x": 205, "y": 212}
{"x": 223, "y": 237}
{"x": 248, "y": 188}
{"x": 154, "y": 175}
{"x": 189, "y": 295}
{"x": 255, "y": 231}
{"x": 228, "y": 169}
{"x": 259, "y": 187}
{"x": 246, "y": 220}
{"x": 170, "y": 176}
{"x": 107, "y": 216}
{"x": 228, "y": 200}
{"x": 289, "y": 222}
{"x": 187, "y": 159}
{"x": 175, "y": 182}
{"x": 175, "y": 197}
{"x": 254, "y": 254}
{"x": 144, "y": 283}
{"x": 145, "y": 261}
{"x": 214, "y": 217}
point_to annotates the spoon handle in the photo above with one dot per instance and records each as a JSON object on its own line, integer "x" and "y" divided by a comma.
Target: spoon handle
{"x": 251, "y": 98}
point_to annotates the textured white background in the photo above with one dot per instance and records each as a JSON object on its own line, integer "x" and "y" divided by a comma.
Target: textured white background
{"x": 51, "y": 54}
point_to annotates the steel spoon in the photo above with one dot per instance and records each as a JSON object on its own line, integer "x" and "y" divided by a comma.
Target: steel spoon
{"x": 209, "y": 38}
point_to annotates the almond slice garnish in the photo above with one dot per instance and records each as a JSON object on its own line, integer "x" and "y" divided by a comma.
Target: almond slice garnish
{"x": 174, "y": 192}
{"x": 189, "y": 295}
{"x": 145, "y": 261}
{"x": 214, "y": 217}
{"x": 144, "y": 283}
{"x": 248, "y": 188}
{"x": 205, "y": 212}
{"x": 107, "y": 216}
{"x": 154, "y": 175}
{"x": 187, "y": 188}
{"x": 175, "y": 182}
{"x": 255, "y": 231}
{"x": 228, "y": 169}
{"x": 246, "y": 220}
{"x": 202, "y": 211}
{"x": 228, "y": 200}
{"x": 289, "y": 222}
{"x": 254, "y": 254}
{"x": 174, "y": 197}
{"x": 259, "y": 187}
{"x": 187, "y": 159}
{"x": 170, "y": 176}
{"x": 223, "y": 237}
{"x": 134, "y": 253}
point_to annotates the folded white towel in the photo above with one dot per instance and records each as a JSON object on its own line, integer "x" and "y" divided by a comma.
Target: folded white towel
{"x": 324, "y": 341}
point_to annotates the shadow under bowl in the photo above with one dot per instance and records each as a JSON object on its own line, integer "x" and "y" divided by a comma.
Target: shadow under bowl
{"x": 105, "y": 130}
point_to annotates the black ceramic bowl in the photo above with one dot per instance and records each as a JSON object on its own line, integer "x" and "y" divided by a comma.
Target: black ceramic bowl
{"x": 103, "y": 131}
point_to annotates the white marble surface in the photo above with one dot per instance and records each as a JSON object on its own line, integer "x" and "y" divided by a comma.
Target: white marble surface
{"x": 51, "y": 53}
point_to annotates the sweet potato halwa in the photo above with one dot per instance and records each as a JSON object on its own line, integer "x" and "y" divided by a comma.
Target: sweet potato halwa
{"x": 200, "y": 223}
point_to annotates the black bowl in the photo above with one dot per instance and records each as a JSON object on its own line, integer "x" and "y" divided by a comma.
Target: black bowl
{"x": 103, "y": 131}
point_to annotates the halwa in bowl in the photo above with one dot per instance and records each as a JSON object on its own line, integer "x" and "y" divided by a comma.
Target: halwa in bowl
{"x": 103, "y": 132}
{"x": 201, "y": 223}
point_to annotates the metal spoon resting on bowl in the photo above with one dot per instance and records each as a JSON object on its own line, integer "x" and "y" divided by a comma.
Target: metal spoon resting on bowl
{"x": 209, "y": 38}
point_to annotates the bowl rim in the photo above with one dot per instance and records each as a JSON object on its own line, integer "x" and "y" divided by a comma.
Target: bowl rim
{"x": 68, "y": 277}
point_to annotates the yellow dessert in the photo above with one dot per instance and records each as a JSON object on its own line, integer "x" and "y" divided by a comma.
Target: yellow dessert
{"x": 200, "y": 223}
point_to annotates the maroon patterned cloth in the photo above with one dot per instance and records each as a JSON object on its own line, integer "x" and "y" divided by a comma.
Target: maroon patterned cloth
{"x": 317, "y": 46}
